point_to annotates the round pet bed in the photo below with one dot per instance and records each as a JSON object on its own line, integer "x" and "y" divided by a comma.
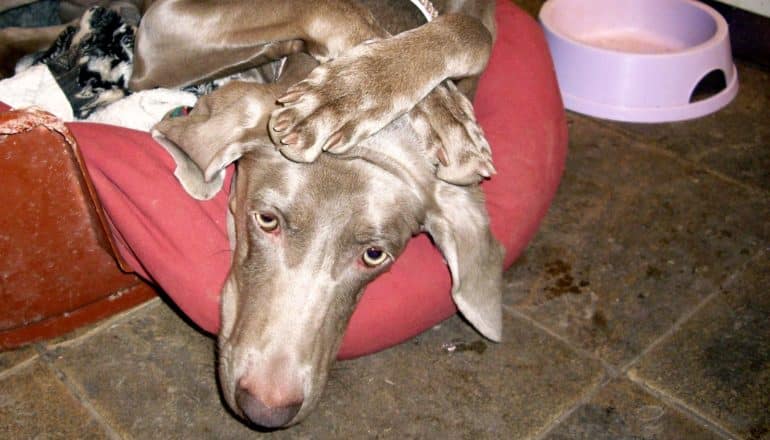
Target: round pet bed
{"x": 182, "y": 245}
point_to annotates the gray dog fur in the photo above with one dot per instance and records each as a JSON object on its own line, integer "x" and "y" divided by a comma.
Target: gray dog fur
{"x": 382, "y": 147}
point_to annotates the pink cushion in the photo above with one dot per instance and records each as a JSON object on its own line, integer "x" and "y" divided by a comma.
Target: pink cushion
{"x": 182, "y": 244}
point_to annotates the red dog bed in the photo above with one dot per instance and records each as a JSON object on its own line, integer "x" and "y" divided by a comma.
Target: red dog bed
{"x": 182, "y": 245}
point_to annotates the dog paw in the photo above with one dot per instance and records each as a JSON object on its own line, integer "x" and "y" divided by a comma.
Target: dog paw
{"x": 455, "y": 141}
{"x": 340, "y": 103}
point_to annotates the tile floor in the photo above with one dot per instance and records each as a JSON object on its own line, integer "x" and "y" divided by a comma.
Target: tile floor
{"x": 640, "y": 311}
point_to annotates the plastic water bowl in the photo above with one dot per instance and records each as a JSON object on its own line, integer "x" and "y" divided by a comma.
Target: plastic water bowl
{"x": 640, "y": 60}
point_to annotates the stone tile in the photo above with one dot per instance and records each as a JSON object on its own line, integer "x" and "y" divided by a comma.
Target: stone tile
{"x": 719, "y": 361}
{"x": 480, "y": 390}
{"x": 11, "y": 358}
{"x": 86, "y": 331}
{"x": 632, "y": 241}
{"x": 733, "y": 141}
{"x": 746, "y": 162}
{"x": 621, "y": 410}
{"x": 35, "y": 404}
{"x": 153, "y": 377}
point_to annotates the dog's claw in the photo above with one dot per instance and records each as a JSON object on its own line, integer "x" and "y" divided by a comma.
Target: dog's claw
{"x": 329, "y": 101}
{"x": 290, "y": 139}
{"x": 290, "y": 97}
{"x": 441, "y": 155}
{"x": 486, "y": 170}
{"x": 457, "y": 143}
{"x": 282, "y": 124}
{"x": 334, "y": 142}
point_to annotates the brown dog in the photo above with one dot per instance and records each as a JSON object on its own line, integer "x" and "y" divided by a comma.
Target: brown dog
{"x": 309, "y": 233}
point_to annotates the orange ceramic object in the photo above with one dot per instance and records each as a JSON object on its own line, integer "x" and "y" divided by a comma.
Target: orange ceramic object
{"x": 58, "y": 269}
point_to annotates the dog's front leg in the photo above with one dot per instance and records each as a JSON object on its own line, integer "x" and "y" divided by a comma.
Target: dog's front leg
{"x": 182, "y": 42}
{"x": 352, "y": 97}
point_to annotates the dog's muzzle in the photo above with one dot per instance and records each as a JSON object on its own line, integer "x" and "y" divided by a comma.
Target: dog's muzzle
{"x": 261, "y": 414}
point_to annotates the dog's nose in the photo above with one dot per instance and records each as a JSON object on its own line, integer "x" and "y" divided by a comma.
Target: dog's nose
{"x": 261, "y": 414}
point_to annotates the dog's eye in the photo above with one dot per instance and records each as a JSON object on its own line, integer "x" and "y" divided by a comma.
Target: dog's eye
{"x": 267, "y": 222}
{"x": 374, "y": 256}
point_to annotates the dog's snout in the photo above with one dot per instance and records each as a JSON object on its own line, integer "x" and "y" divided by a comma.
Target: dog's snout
{"x": 273, "y": 397}
{"x": 258, "y": 412}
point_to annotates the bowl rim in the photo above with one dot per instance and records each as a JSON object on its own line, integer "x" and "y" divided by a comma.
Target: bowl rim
{"x": 720, "y": 34}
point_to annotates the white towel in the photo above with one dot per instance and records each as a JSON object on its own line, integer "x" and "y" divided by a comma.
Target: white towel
{"x": 36, "y": 86}
{"x": 142, "y": 110}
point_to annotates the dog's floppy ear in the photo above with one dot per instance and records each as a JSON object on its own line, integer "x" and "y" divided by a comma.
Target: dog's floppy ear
{"x": 220, "y": 129}
{"x": 459, "y": 226}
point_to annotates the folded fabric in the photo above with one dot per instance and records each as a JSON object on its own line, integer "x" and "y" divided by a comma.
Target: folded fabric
{"x": 36, "y": 86}
{"x": 144, "y": 109}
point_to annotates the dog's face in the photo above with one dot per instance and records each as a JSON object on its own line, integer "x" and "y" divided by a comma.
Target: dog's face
{"x": 308, "y": 238}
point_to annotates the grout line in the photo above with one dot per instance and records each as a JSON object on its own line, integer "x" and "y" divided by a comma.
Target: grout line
{"x": 671, "y": 330}
{"x": 609, "y": 373}
{"x": 10, "y": 371}
{"x": 698, "y": 157}
{"x": 610, "y": 369}
{"x": 75, "y": 391}
{"x": 701, "y": 167}
{"x": 612, "y": 372}
{"x": 682, "y": 407}
{"x": 43, "y": 346}
{"x": 685, "y": 317}
{"x": 654, "y": 146}
{"x": 584, "y": 399}
{"x": 102, "y": 325}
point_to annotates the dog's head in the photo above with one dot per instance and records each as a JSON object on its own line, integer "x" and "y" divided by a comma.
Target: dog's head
{"x": 308, "y": 237}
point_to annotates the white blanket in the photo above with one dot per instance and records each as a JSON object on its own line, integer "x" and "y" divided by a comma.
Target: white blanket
{"x": 140, "y": 111}
{"x": 144, "y": 109}
{"x": 36, "y": 86}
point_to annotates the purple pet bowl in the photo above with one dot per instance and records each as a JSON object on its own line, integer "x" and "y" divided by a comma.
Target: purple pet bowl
{"x": 640, "y": 60}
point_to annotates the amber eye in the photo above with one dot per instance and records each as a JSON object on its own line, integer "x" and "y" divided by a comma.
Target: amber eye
{"x": 267, "y": 222}
{"x": 374, "y": 256}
